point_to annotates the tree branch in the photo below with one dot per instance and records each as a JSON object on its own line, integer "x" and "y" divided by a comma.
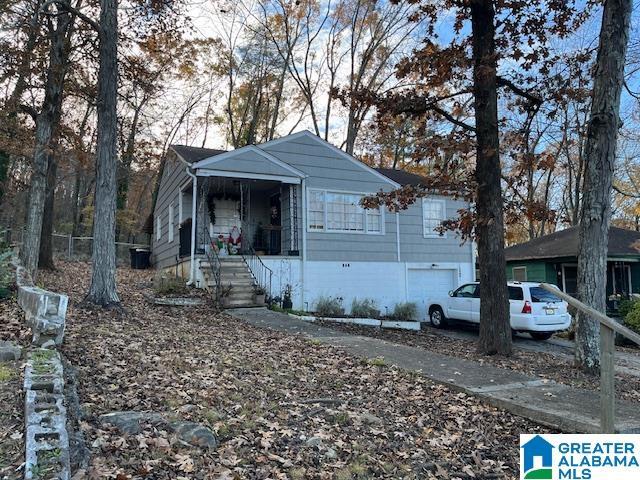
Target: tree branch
{"x": 73, "y": 11}
{"x": 453, "y": 119}
{"x": 626, "y": 194}
{"x": 503, "y": 82}
{"x": 29, "y": 110}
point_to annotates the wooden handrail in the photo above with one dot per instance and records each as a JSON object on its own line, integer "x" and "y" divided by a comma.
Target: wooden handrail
{"x": 601, "y": 317}
{"x": 607, "y": 352}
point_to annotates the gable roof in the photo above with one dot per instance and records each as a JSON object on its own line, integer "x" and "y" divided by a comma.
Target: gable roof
{"x": 195, "y": 154}
{"x": 210, "y": 162}
{"x": 334, "y": 149}
{"x": 564, "y": 243}
{"x": 401, "y": 176}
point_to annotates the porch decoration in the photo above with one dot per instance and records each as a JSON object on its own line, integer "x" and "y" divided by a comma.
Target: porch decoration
{"x": 259, "y": 294}
{"x": 235, "y": 240}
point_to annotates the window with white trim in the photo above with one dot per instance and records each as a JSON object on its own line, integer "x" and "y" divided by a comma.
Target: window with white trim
{"x": 433, "y": 214}
{"x": 158, "y": 228}
{"x": 171, "y": 223}
{"x": 331, "y": 211}
{"x": 315, "y": 210}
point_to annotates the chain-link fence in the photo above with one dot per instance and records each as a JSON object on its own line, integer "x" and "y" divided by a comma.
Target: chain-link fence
{"x": 70, "y": 247}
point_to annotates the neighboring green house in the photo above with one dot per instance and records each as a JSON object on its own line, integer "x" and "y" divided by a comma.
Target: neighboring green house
{"x": 553, "y": 259}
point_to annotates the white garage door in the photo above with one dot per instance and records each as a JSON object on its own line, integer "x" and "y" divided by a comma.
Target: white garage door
{"x": 426, "y": 285}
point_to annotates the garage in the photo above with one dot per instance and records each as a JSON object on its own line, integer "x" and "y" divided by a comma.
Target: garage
{"x": 425, "y": 285}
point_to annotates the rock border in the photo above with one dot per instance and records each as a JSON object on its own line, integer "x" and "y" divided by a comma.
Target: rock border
{"x": 46, "y": 439}
{"x": 47, "y": 453}
{"x": 44, "y": 311}
{"x": 368, "y": 322}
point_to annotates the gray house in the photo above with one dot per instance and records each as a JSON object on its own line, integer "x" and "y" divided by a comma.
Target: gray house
{"x": 286, "y": 215}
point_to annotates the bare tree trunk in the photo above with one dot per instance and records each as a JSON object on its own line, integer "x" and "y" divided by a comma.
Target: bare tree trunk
{"x": 600, "y": 153}
{"x": 495, "y": 328}
{"x": 103, "y": 280}
{"x": 46, "y": 124}
{"x": 45, "y": 259}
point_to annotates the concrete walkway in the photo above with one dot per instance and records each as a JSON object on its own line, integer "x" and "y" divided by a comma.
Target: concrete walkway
{"x": 567, "y": 409}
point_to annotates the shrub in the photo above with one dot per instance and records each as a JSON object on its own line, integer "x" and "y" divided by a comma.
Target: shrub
{"x": 329, "y": 307}
{"x": 632, "y": 318}
{"x": 405, "y": 312}
{"x": 365, "y": 308}
{"x": 166, "y": 284}
{"x": 626, "y": 305}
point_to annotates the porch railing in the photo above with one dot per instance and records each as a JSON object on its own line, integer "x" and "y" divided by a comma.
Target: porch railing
{"x": 262, "y": 275}
{"x": 214, "y": 266}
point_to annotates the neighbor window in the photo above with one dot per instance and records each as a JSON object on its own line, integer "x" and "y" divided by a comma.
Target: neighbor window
{"x": 170, "y": 223}
{"x": 341, "y": 212}
{"x": 433, "y": 214}
{"x": 158, "y": 228}
{"x": 519, "y": 274}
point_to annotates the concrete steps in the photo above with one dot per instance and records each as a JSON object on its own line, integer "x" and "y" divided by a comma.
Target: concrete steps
{"x": 235, "y": 273}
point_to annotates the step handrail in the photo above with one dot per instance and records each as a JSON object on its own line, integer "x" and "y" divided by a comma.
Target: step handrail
{"x": 262, "y": 275}
{"x": 607, "y": 353}
{"x": 214, "y": 266}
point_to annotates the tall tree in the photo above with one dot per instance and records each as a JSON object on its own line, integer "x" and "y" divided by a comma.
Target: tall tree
{"x": 103, "y": 278}
{"x": 600, "y": 151}
{"x": 47, "y": 122}
{"x": 444, "y": 76}
{"x": 495, "y": 335}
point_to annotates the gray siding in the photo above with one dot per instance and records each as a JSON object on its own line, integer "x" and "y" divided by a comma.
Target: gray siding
{"x": 165, "y": 253}
{"x": 325, "y": 169}
{"x": 250, "y": 162}
{"x": 414, "y": 247}
{"x": 328, "y": 170}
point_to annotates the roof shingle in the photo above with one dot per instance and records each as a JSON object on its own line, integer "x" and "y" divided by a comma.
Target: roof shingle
{"x": 564, "y": 243}
{"x": 195, "y": 154}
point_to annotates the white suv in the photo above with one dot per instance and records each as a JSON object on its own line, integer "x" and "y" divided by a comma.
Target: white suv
{"x": 533, "y": 309}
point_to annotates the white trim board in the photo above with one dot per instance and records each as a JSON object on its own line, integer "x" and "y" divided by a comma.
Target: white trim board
{"x": 251, "y": 176}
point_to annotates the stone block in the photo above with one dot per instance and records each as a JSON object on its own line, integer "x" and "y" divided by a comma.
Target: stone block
{"x": 44, "y": 312}
{"x": 9, "y": 352}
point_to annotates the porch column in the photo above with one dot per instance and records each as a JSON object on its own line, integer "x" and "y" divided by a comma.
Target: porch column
{"x": 194, "y": 198}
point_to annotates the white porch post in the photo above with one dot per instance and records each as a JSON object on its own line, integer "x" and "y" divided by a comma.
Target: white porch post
{"x": 304, "y": 238}
{"x": 194, "y": 198}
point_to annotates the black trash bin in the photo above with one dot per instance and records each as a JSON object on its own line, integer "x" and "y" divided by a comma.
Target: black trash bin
{"x": 140, "y": 258}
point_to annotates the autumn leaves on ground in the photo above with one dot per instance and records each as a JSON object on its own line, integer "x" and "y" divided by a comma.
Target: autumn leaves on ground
{"x": 255, "y": 388}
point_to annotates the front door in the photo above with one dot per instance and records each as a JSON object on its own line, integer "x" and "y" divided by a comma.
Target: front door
{"x": 275, "y": 225}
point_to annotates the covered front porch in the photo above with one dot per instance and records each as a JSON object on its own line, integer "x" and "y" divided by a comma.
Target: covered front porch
{"x": 240, "y": 216}
{"x": 243, "y": 202}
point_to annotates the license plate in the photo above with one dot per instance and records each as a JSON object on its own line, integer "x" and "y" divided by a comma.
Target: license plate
{"x": 550, "y": 311}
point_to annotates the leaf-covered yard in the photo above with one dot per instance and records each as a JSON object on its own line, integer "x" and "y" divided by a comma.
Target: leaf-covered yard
{"x": 559, "y": 368}
{"x": 282, "y": 406}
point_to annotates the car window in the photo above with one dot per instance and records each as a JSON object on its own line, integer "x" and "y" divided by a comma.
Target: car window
{"x": 540, "y": 295}
{"x": 516, "y": 293}
{"x": 465, "y": 291}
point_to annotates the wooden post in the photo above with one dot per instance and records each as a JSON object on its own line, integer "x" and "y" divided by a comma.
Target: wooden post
{"x": 608, "y": 329}
{"x": 607, "y": 379}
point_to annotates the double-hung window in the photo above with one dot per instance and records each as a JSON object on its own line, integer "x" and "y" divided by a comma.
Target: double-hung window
{"x": 330, "y": 211}
{"x": 158, "y": 228}
{"x": 433, "y": 214}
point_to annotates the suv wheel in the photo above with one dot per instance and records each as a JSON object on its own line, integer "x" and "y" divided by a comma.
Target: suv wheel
{"x": 541, "y": 335}
{"x": 437, "y": 318}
